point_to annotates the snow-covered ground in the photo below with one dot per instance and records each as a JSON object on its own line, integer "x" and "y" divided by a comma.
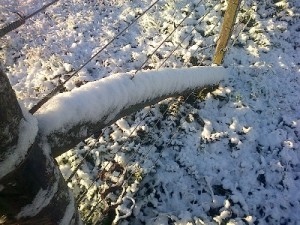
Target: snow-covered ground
{"x": 226, "y": 157}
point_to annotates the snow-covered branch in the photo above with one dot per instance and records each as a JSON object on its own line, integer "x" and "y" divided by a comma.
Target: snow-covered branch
{"x": 71, "y": 117}
{"x": 17, "y": 130}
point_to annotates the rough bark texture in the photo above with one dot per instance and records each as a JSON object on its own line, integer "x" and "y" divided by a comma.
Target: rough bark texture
{"x": 226, "y": 30}
{"x": 10, "y": 115}
{"x": 38, "y": 173}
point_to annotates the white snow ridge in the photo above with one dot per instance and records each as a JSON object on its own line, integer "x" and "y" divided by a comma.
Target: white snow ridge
{"x": 92, "y": 101}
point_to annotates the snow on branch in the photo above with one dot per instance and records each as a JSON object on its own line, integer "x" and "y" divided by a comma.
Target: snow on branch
{"x": 70, "y": 117}
{"x": 28, "y": 130}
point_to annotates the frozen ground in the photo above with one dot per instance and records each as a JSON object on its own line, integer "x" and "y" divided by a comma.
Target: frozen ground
{"x": 227, "y": 157}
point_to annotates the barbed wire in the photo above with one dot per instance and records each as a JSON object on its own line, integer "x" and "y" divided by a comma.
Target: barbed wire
{"x": 201, "y": 19}
{"x": 175, "y": 131}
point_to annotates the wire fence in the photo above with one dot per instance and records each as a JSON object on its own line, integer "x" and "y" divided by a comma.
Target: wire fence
{"x": 100, "y": 195}
{"x": 101, "y": 207}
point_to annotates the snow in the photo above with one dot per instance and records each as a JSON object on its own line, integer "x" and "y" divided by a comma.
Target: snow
{"x": 40, "y": 201}
{"x": 69, "y": 213}
{"x": 27, "y": 132}
{"x": 124, "y": 210}
{"x": 112, "y": 94}
{"x": 44, "y": 196}
{"x": 231, "y": 157}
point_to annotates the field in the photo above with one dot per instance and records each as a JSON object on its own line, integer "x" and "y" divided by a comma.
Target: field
{"x": 229, "y": 156}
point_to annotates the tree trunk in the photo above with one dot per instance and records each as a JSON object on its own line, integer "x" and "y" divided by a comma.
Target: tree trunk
{"x": 10, "y": 115}
{"x": 32, "y": 189}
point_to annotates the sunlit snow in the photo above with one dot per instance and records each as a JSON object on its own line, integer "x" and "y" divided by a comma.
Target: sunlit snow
{"x": 231, "y": 157}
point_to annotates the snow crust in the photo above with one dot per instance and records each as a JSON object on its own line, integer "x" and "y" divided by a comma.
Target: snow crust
{"x": 92, "y": 101}
{"x": 27, "y": 132}
{"x": 236, "y": 154}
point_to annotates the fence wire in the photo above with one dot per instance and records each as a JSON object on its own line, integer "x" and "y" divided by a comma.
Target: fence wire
{"x": 168, "y": 36}
{"x": 177, "y": 130}
{"x": 127, "y": 171}
{"x": 120, "y": 181}
{"x": 61, "y": 86}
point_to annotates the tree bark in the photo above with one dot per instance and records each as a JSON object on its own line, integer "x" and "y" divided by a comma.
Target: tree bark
{"x": 10, "y": 115}
{"x": 32, "y": 189}
{"x": 226, "y": 30}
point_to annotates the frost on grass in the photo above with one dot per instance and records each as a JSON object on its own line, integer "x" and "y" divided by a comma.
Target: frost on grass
{"x": 235, "y": 156}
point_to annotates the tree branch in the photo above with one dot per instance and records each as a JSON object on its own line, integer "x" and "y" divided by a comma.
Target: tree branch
{"x": 61, "y": 142}
{"x": 71, "y": 117}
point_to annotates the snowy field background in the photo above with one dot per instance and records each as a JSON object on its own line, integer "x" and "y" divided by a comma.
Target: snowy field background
{"x": 226, "y": 157}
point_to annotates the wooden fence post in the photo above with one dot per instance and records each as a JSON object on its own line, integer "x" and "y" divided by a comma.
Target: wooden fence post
{"x": 226, "y": 30}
